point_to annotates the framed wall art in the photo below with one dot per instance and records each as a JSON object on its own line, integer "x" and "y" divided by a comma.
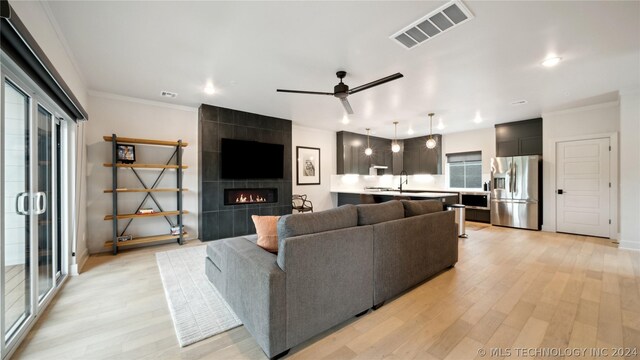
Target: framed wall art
{"x": 308, "y": 165}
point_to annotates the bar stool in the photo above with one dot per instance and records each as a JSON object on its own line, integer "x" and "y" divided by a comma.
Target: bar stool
{"x": 401, "y": 197}
{"x": 367, "y": 199}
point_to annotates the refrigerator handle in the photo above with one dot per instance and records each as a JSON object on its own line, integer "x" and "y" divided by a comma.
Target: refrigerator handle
{"x": 511, "y": 177}
{"x": 515, "y": 175}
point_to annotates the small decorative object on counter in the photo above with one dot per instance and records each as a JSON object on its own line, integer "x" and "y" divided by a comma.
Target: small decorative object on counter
{"x": 146, "y": 211}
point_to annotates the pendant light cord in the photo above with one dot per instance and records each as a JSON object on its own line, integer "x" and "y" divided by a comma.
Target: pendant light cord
{"x": 431, "y": 126}
{"x": 368, "y": 138}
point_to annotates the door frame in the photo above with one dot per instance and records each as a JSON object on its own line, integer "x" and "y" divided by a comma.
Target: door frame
{"x": 37, "y": 96}
{"x": 614, "y": 200}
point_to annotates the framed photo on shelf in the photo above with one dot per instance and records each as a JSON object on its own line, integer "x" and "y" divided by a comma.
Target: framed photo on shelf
{"x": 126, "y": 154}
{"x": 308, "y": 165}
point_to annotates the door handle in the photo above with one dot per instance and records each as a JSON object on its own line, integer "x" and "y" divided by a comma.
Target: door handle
{"x": 560, "y": 191}
{"x": 40, "y": 203}
{"x": 20, "y": 208}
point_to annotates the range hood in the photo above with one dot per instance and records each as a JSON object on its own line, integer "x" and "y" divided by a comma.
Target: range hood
{"x": 377, "y": 169}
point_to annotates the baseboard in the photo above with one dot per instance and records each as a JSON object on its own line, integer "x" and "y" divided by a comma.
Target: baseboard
{"x": 81, "y": 260}
{"x": 629, "y": 245}
{"x": 548, "y": 229}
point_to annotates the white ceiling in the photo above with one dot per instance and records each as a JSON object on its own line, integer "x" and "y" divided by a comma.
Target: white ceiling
{"x": 248, "y": 49}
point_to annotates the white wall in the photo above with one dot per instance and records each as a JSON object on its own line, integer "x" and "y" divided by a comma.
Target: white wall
{"x": 574, "y": 124}
{"x": 630, "y": 170}
{"x": 43, "y": 28}
{"x": 325, "y": 140}
{"x": 476, "y": 140}
{"x": 127, "y": 117}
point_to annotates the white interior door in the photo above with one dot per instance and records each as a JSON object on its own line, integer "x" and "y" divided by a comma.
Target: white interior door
{"x": 582, "y": 187}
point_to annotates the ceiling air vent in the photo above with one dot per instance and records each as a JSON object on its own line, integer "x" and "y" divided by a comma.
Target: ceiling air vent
{"x": 443, "y": 19}
{"x": 168, "y": 94}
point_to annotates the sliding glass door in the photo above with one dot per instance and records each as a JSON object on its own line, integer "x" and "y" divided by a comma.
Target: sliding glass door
{"x": 42, "y": 201}
{"x": 31, "y": 249}
{"x": 16, "y": 279}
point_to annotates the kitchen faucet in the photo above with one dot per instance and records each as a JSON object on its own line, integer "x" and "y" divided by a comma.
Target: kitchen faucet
{"x": 406, "y": 179}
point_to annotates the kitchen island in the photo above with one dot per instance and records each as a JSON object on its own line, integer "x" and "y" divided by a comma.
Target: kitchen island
{"x": 356, "y": 196}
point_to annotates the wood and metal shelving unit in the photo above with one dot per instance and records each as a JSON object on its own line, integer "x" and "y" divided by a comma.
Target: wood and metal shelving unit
{"x": 171, "y": 165}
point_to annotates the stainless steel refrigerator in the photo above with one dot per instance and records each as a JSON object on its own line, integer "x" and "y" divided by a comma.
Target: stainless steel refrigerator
{"x": 515, "y": 200}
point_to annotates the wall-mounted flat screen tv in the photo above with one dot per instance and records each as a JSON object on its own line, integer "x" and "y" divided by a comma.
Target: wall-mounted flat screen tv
{"x": 240, "y": 159}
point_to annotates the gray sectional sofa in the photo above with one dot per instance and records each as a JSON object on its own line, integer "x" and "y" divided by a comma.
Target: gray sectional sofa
{"x": 330, "y": 266}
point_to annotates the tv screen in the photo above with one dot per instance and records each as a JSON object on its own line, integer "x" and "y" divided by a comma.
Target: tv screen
{"x": 241, "y": 159}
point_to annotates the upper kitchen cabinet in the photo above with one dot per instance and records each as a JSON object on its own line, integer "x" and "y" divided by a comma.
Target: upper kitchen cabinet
{"x": 350, "y": 153}
{"x": 418, "y": 159}
{"x": 519, "y": 138}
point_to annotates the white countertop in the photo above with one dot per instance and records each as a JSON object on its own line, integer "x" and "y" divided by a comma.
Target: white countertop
{"x": 397, "y": 193}
{"x": 478, "y": 191}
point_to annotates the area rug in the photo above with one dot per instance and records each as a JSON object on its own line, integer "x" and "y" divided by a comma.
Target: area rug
{"x": 197, "y": 309}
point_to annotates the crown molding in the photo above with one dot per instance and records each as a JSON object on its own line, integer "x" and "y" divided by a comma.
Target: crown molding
{"x": 583, "y": 108}
{"x": 110, "y": 96}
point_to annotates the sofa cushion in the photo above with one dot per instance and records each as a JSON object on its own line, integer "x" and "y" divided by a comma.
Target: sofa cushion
{"x": 420, "y": 207}
{"x": 267, "y": 229}
{"x": 369, "y": 214}
{"x": 310, "y": 223}
{"x": 214, "y": 252}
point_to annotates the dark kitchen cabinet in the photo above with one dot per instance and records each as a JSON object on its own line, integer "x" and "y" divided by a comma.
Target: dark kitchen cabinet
{"x": 417, "y": 159}
{"x": 350, "y": 153}
{"x": 478, "y": 215}
{"x": 397, "y": 160}
{"x": 519, "y": 138}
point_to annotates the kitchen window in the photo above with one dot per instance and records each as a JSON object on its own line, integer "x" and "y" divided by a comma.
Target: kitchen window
{"x": 465, "y": 169}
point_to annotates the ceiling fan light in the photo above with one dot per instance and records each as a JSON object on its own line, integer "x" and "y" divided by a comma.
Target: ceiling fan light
{"x": 395, "y": 147}
{"x": 431, "y": 143}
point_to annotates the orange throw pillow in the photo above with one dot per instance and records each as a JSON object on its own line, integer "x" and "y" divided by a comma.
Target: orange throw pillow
{"x": 267, "y": 229}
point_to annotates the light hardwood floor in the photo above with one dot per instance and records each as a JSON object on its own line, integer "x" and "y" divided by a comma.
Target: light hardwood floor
{"x": 510, "y": 288}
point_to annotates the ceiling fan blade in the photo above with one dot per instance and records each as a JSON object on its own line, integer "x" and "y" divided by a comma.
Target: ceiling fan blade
{"x": 304, "y": 92}
{"x": 347, "y": 106}
{"x": 375, "y": 83}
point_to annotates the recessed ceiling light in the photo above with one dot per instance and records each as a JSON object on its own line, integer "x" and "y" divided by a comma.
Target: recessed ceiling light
{"x": 345, "y": 119}
{"x": 477, "y": 119}
{"x": 410, "y": 131}
{"x": 551, "y": 61}
{"x": 209, "y": 89}
{"x": 440, "y": 124}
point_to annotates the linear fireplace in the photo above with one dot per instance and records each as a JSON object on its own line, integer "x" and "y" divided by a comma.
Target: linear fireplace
{"x": 250, "y": 196}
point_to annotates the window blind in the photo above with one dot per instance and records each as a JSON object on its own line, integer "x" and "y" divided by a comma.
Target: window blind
{"x": 464, "y": 156}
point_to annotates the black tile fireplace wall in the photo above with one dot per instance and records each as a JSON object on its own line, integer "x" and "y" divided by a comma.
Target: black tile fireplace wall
{"x": 219, "y": 221}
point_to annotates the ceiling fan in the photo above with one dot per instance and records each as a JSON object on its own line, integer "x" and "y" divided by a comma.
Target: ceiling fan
{"x": 341, "y": 91}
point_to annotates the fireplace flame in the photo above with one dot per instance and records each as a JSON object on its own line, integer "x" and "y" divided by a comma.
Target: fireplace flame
{"x": 243, "y": 199}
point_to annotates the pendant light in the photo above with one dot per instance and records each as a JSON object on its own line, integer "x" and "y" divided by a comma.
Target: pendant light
{"x": 431, "y": 142}
{"x": 368, "y": 150}
{"x": 395, "y": 147}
